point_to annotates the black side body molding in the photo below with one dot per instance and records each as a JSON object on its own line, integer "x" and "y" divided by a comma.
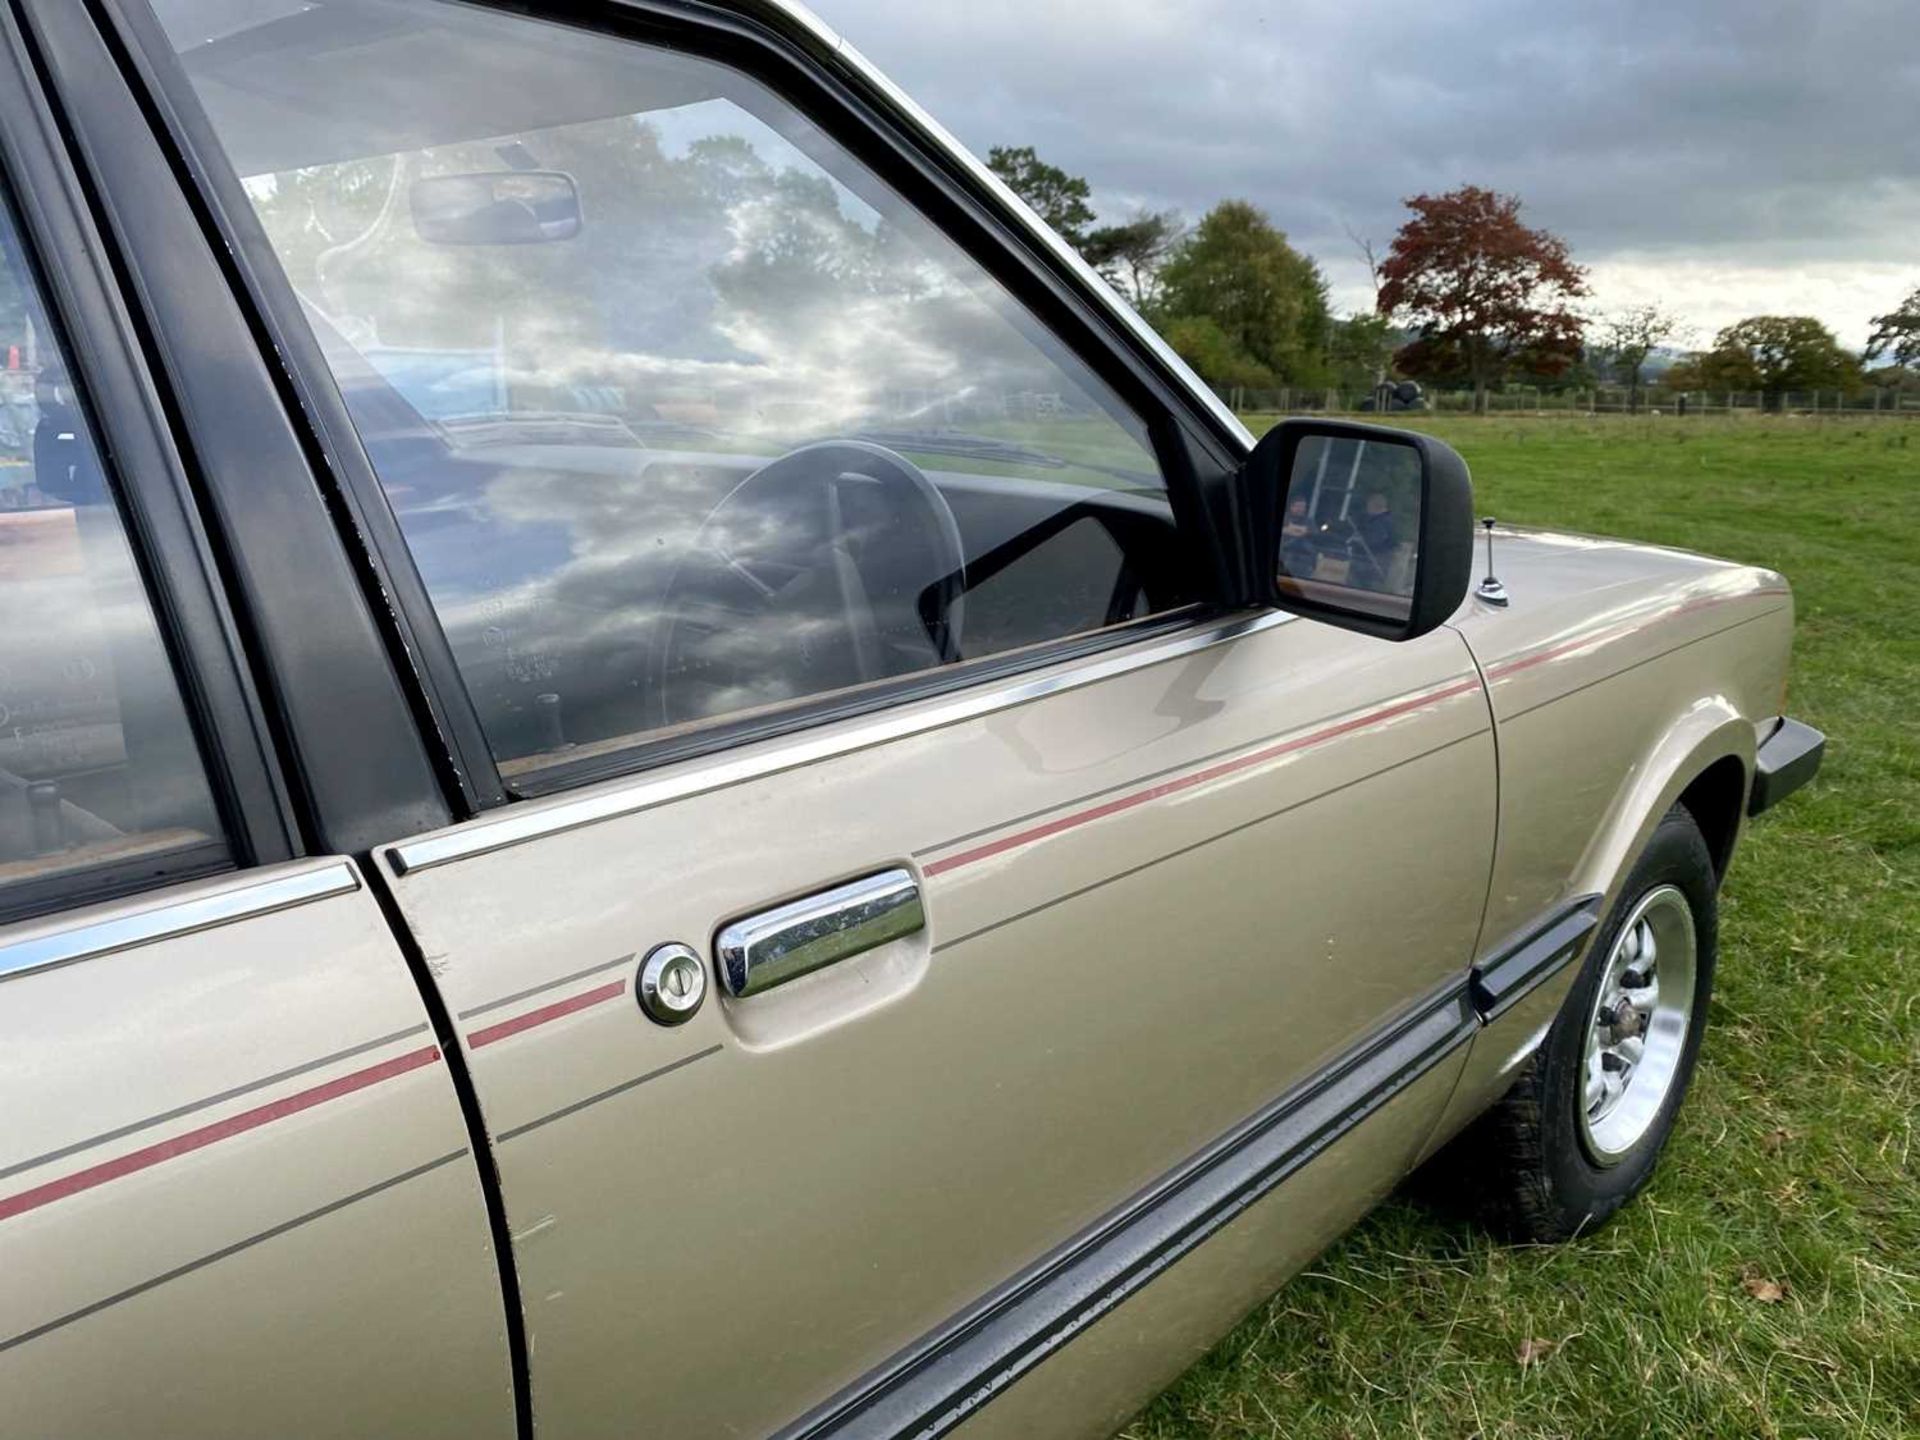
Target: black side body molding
{"x": 941, "y": 1380}
{"x": 1788, "y": 759}
{"x": 1528, "y": 961}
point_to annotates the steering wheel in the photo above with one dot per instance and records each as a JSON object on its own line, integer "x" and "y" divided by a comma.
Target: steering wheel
{"x": 837, "y": 564}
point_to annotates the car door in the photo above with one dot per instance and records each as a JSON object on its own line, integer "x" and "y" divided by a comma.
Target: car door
{"x": 834, "y": 608}
{"x": 238, "y": 1194}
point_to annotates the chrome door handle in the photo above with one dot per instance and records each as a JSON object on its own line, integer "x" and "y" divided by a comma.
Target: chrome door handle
{"x": 761, "y": 951}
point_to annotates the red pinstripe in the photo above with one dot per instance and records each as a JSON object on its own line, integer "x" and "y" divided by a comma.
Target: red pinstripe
{"x": 206, "y": 1135}
{"x": 491, "y": 1033}
{"x": 1615, "y": 632}
{"x": 1357, "y": 722}
{"x": 1197, "y": 777}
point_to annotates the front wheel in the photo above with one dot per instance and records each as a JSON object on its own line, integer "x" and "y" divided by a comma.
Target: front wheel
{"x": 1580, "y": 1131}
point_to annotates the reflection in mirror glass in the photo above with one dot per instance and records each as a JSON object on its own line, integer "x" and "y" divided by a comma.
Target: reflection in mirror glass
{"x": 1350, "y": 527}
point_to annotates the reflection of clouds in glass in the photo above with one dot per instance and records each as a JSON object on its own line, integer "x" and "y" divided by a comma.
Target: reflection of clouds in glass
{"x": 838, "y": 372}
{"x": 584, "y": 624}
{"x": 749, "y": 585}
{"x": 766, "y": 299}
{"x": 738, "y": 285}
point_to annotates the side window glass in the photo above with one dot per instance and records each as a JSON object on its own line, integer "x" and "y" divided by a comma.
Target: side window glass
{"x": 683, "y": 412}
{"x": 101, "y": 781}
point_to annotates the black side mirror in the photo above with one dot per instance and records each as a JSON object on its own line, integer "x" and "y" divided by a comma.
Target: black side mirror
{"x": 510, "y": 207}
{"x": 1364, "y": 527}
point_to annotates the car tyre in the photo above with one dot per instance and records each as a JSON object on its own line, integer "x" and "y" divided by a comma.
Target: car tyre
{"x": 1552, "y": 1159}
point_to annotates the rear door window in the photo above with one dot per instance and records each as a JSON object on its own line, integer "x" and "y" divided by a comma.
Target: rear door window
{"x": 101, "y": 780}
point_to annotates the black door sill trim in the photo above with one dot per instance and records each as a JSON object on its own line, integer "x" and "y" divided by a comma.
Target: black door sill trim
{"x": 1522, "y": 965}
{"x": 944, "y": 1378}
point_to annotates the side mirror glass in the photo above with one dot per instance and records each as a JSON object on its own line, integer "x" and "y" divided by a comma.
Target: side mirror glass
{"x": 1359, "y": 525}
{"x": 510, "y": 207}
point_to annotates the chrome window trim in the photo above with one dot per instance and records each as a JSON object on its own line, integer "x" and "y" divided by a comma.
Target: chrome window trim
{"x": 534, "y": 819}
{"x": 82, "y": 939}
{"x": 814, "y": 34}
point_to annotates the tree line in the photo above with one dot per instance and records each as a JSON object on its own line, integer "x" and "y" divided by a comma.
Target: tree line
{"x": 1467, "y": 295}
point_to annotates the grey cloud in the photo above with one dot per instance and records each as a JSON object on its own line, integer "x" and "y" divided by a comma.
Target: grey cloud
{"x": 1764, "y": 134}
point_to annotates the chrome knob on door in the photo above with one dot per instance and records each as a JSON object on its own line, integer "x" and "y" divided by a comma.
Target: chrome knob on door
{"x": 671, "y": 985}
{"x": 761, "y": 951}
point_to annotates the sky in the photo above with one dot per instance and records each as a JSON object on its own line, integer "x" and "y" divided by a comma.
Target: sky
{"x": 1722, "y": 158}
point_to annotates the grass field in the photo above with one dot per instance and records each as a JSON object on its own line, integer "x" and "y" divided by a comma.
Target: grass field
{"x": 1768, "y": 1281}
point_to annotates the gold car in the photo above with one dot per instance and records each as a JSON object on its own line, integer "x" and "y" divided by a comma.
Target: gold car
{"x": 660, "y": 776}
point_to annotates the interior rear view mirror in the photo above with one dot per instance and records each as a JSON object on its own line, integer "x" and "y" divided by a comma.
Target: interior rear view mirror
{"x": 1359, "y": 525}
{"x": 508, "y": 207}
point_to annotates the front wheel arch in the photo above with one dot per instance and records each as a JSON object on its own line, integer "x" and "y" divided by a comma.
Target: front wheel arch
{"x": 1705, "y": 735}
{"x": 1717, "y": 800}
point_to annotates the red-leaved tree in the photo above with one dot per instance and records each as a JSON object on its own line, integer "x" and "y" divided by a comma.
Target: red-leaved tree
{"x": 1485, "y": 292}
